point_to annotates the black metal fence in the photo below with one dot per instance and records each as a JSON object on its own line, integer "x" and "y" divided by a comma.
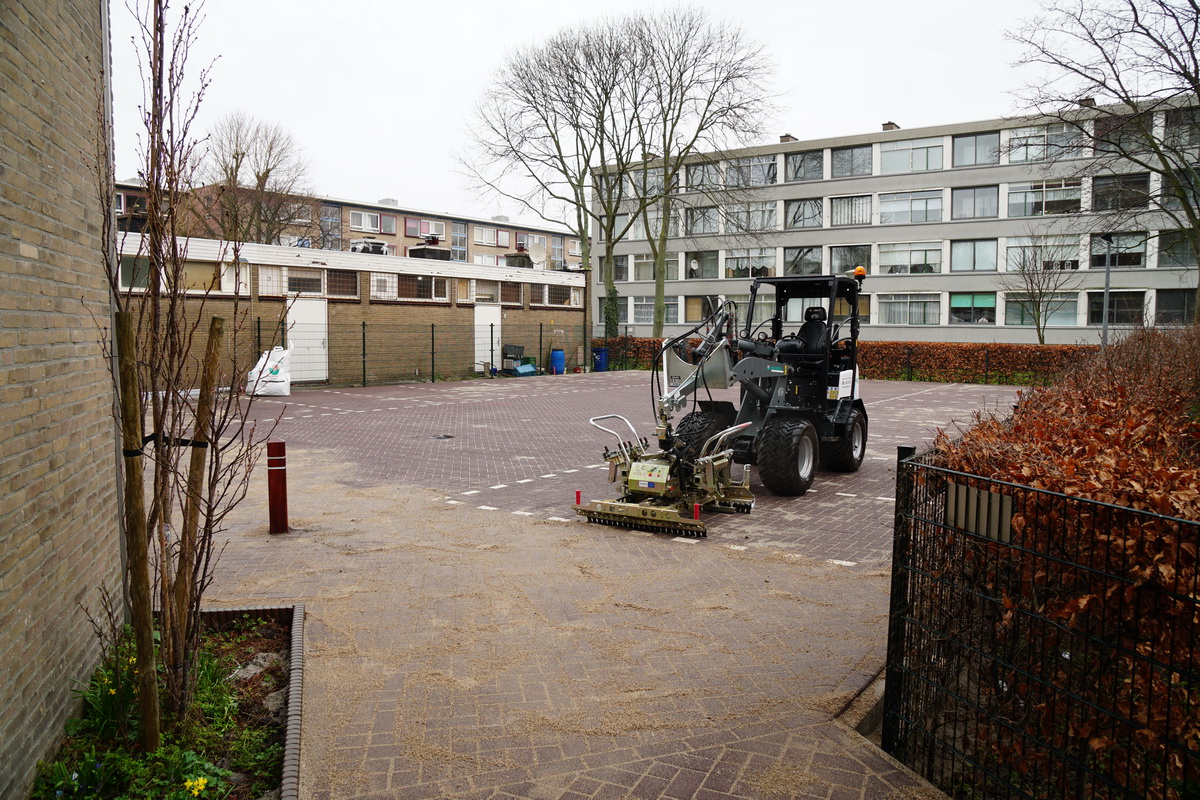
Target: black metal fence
{"x": 1041, "y": 645}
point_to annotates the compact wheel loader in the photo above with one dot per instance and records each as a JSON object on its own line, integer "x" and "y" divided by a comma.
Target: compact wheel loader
{"x": 798, "y": 407}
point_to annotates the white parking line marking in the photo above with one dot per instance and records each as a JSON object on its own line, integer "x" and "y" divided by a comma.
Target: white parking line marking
{"x": 559, "y": 519}
{"x": 568, "y": 471}
{"x": 845, "y": 494}
{"x": 499, "y": 486}
{"x": 737, "y": 547}
{"x": 843, "y": 563}
{"x": 454, "y": 502}
{"x": 523, "y": 513}
{"x": 525, "y": 480}
{"x": 886, "y": 499}
{"x": 487, "y": 508}
{"x": 473, "y": 491}
{"x": 551, "y": 475}
{"x": 685, "y": 539}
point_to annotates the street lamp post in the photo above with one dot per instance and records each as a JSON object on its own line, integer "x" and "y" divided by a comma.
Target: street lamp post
{"x": 1108, "y": 242}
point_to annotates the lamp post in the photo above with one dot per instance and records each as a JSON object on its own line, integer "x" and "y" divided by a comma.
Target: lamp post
{"x": 1108, "y": 242}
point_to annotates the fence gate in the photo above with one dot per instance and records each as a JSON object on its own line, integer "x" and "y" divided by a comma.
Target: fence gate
{"x": 308, "y": 336}
{"x": 487, "y": 335}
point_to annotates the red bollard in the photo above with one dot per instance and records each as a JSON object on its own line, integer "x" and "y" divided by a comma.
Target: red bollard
{"x": 578, "y": 493}
{"x": 277, "y": 486}
{"x": 695, "y": 511}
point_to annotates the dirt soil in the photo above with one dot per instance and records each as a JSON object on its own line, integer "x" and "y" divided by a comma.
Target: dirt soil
{"x": 453, "y": 651}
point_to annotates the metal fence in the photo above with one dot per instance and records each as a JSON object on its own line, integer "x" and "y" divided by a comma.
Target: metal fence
{"x": 1041, "y": 645}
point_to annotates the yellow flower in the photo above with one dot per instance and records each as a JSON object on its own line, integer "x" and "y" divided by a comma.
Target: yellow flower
{"x": 112, "y": 691}
{"x": 195, "y": 786}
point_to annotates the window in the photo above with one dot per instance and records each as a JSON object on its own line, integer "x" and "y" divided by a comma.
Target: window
{"x": 119, "y": 202}
{"x": 364, "y": 221}
{"x": 644, "y": 182}
{"x": 556, "y": 253}
{"x": 1181, "y": 188}
{"x": 387, "y": 223}
{"x": 973, "y": 255}
{"x": 487, "y": 291}
{"x": 422, "y": 287}
{"x": 850, "y": 161}
{"x": 801, "y": 261}
{"x": 622, "y": 310}
{"x": 910, "y": 309}
{"x": 1057, "y": 310}
{"x": 421, "y": 228}
{"x": 643, "y": 267}
{"x": 803, "y": 213}
{"x": 1175, "y": 249}
{"x": 1117, "y": 192}
{"x": 383, "y": 286}
{"x": 564, "y": 296}
{"x": 808, "y": 166}
{"x": 701, "y": 221}
{"x": 912, "y": 155}
{"x": 846, "y": 257}
{"x": 976, "y": 149}
{"x": 458, "y": 241}
{"x": 1124, "y": 308}
{"x": 752, "y": 262}
{"x": 1182, "y": 128}
{"x": 1175, "y": 307}
{"x": 299, "y": 214}
{"x": 975, "y": 202}
{"x": 850, "y": 210}
{"x": 341, "y": 283}
{"x": 510, "y": 293}
{"x": 135, "y": 272}
{"x": 705, "y": 176}
{"x": 841, "y": 311}
{"x": 702, "y": 264}
{"x": 302, "y": 280}
{"x": 643, "y": 310}
{"x": 1024, "y": 253}
{"x": 330, "y": 225}
{"x": 491, "y": 237}
{"x": 462, "y": 290}
{"x": 1121, "y": 133}
{"x": 1041, "y": 199}
{"x": 907, "y": 258}
{"x": 1042, "y": 142}
{"x": 489, "y": 260}
{"x": 270, "y": 280}
{"x": 752, "y": 171}
{"x": 973, "y": 307}
{"x": 906, "y": 207}
{"x": 574, "y": 247}
{"x": 1127, "y": 250}
{"x": 698, "y": 309}
{"x": 528, "y": 240}
{"x": 620, "y": 268}
{"x": 751, "y": 216}
{"x": 295, "y": 241}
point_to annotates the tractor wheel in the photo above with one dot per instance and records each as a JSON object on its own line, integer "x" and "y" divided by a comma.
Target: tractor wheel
{"x": 697, "y": 428}
{"x": 788, "y": 450}
{"x": 846, "y": 454}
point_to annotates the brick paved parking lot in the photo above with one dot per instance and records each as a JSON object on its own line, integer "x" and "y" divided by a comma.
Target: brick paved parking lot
{"x": 469, "y": 638}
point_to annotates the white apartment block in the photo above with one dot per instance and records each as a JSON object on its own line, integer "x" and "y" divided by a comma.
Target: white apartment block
{"x": 939, "y": 217}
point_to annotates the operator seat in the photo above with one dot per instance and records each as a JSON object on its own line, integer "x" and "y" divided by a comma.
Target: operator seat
{"x": 814, "y": 333}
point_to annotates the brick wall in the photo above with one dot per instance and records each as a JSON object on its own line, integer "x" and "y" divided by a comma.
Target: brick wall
{"x": 58, "y": 509}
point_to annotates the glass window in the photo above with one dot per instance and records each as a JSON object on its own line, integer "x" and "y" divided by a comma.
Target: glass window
{"x": 135, "y": 272}
{"x": 364, "y": 221}
{"x": 1045, "y": 197}
{"x": 697, "y": 309}
{"x": 487, "y": 291}
{"x": 973, "y": 254}
{"x": 808, "y": 166}
{"x": 845, "y": 258}
{"x": 561, "y": 295}
{"x": 850, "y": 210}
{"x": 1057, "y": 310}
{"x": 1183, "y": 128}
{"x": 1121, "y": 133}
{"x": 330, "y": 225}
{"x": 643, "y": 267}
{"x": 906, "y": 207}
{"x": 1181, "y": 188}
{"x": 1175, "y": 307}
{"x": 973, "y": 307}
{"x": 1117, "y": 192}
{"x": 383, "y": 286}
{"x": 1024, "y": 253}
{"x": 910, "y": 309}
{"x": 556, "y": 253}
{"x": 751, "y": 216}
{"x": 701, "y": 221}
{"x": 975, "y": 202}
{"x": 643, "y": 310}
{"x": 703, "y": 264}
{"x": 644, "y": 182}
{"x": 510, "y": 293}
{"x": 907, "y": 258}
{"x": 1127, "y": 250}
{"x": 490, "y": 260}
{"x": 304, "y": 280}
{"x": 802, "y": 261}
{"x": 1124, "y": 308}
{"x": 1042, "y": 142}
{"x": 752, "y": 171}
{"x": 912, "y": 155}
{"x": 341, "y": 283}
{"x": 849, "y": 161}
{"x": 704, "y": 176}
{"x": 977, "y": 148}
{"x": 620, "y": 268}
{"x": 803, "y": 213}
{"x": 841, "y": 311}
{"x": 1175, "y": 249}
{"x": 458, "y": 241}
{"x": 422, "y": 287}
{"x": 752, "y": 262}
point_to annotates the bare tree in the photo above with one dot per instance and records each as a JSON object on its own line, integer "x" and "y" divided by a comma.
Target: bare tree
{"x": 1121, "y": 81}
{"x": 1041, "y": 277}
{"x": 254, "y": 184}
{"x": 556, "y": 132}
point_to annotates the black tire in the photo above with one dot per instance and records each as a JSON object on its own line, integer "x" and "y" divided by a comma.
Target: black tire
{"x": 846, "y": 454}
{"x": 788, "y": 452}
{"x": 697, "y": 428}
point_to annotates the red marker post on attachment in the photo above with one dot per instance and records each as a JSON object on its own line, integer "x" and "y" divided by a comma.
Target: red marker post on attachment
{"x": 695, "y": 511}
{"x": 578, "y": 494}
{"x": 277, "y": 486}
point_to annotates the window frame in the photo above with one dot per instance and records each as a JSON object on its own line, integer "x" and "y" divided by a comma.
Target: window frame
{"x": 806, "y": 218}
{"x": 850, "y": 210}
{"x": 926, "y": 301}
{"x": 975, "y": 251}
{"x": 855, "y": 154}
{"x": 919, "y": 152}
{"x": 363, "y": 225}
{"x": 911, "y": 198}
{"x": 909, "y": 248}
{"x": 979, "y": 205}
{"x": 978, "y": 315}
{"x": 993, "y": 158}
{"x": 803, "y": 166}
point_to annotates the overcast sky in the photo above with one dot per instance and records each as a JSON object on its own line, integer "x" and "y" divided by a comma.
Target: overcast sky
{"x": 378, "y": 93}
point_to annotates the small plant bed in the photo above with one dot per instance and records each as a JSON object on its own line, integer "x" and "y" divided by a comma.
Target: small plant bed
{"x": 230, "y": 745}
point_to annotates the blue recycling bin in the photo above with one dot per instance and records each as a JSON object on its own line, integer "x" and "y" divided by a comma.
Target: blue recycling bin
{"x": 599, "y": 359}
{"x": 558, "y": 362}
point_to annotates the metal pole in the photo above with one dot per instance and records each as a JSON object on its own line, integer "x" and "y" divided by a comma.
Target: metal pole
{"x": 541, "y": 345}
{"x": 258, "y": 334}
{"x": 1108, "y": 240}
{"x": 277, "y": 486}
{"x": 364, "y": 353}
{"x": 893, "y": 689}
{"x": 491, "y": 349}
{"x": 432, "y": 351}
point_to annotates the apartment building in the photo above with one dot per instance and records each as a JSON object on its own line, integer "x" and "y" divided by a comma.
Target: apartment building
{"x": 385, "y": 228}
{"x": 942, "y": 218}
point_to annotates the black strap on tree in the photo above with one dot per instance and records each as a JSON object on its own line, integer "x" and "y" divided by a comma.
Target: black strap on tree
{"x": 169, "y": 441}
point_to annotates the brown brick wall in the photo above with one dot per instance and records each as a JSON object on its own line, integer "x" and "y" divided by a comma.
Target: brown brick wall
{"x": 59, "y": 538}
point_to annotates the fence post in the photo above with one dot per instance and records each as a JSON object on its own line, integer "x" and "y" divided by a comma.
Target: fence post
{"x": 491, "y": 349}
{"x": 893, "y": 689}
{"x": 546, "y": 363}
{"x": 432, "y": 351}
{"x": 908, "y": 363}
{"x": 364, "y": 353}
{"x": 258, "y": 334}
{"x": 987, "y": 365}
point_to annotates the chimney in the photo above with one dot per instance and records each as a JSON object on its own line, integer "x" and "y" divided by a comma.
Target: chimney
{"x": 787, "y": 137}
{"x": 1087, "y": 102}
{"x": 389, "y": 201}
{"x": 499, "y": 218}
{"x": 891, "y": 126}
